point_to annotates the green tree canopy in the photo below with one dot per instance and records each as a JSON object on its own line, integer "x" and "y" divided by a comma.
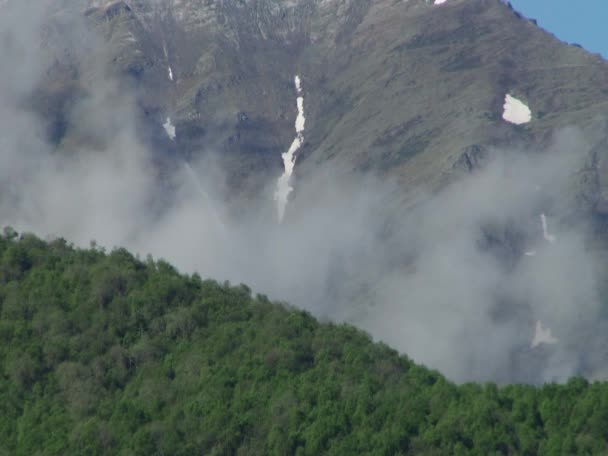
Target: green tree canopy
{"x": 108, "y": 354}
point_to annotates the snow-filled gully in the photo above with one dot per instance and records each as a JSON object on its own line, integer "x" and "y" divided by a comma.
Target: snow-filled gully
{"x": 284, "y": 188}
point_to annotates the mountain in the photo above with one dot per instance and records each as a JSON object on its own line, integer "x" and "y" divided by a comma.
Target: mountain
{"x": 107, "y": 354}
{"x": 470, "y": 235}
{"x": 406, "y": 89}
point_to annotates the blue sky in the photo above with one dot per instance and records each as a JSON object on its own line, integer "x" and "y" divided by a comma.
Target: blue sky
{"x": 575, "y": 21}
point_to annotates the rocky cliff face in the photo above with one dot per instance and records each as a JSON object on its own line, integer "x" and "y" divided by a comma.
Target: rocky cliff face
{"x": 400, "y": 88}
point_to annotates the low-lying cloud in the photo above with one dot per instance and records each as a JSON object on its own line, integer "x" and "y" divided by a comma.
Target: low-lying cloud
{"x": 446, "y": 281}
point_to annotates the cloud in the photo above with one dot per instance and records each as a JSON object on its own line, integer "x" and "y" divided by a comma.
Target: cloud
{"x": 471, "y": 301}
{"x": 446, "y": 281}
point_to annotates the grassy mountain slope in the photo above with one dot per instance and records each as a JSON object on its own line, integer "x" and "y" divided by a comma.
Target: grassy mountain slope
{"x": 107, "y": 354}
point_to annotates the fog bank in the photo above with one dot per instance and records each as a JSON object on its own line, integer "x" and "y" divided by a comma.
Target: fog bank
{"x": 447, "y": 281}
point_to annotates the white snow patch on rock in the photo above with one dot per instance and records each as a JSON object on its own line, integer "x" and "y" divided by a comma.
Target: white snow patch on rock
{"x": 300, "y": 120}
{"x": 542, "y": 336}
{"x": 170, "y": 74}
{"x": 283, "y": 189}
{"x": 439, "y": 2}
{"x": 515, "y": 111}
{"x": 169, "y": 128}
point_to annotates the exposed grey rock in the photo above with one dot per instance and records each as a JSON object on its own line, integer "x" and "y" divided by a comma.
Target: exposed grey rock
{"x": 392, "y": 87}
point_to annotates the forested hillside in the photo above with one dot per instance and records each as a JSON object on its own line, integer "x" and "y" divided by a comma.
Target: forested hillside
{"x": 109, "y": 354}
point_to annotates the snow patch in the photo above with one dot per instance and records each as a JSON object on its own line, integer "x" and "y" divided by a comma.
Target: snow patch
{"x": 166, "y": 53}
{"x": 530, "y": 253}
{"x": 439, "y": 2}
{"x": 300, "y": 120}
{"x": 283, "y": 189}
{"x": 515, "y": 111}
{"x": 169, "y": 128}
{"x": 542, "y": 336}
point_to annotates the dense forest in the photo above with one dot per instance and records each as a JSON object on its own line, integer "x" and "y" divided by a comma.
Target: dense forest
{"x": 106, "y": 353}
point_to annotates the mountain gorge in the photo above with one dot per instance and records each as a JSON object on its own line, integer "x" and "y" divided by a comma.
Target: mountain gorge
{"x": 418, "y": 212}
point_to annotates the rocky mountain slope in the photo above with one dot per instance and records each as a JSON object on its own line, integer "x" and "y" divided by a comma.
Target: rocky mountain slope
{"x": 404, "y": 88}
